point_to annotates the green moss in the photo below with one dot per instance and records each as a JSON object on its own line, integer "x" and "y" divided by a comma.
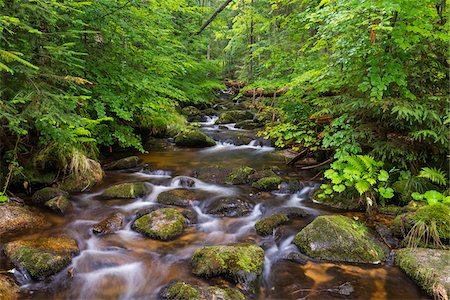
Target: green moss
{"x": 180, "y": 290}
{"x": 178, "y": 197}
{"x": 438, "y": 213}
{"x": 233, "y": 116}
{"x": 192, "y": 114}
{"x": 240, "y": 176}
{"x": 267, "y": 183}
{"x": 430, "y": 268}
{"x": 346, "y": 200}
{"x": 194, "y": 138}
{"x": 124, "y": 163}
{"x": 237, "y": 261}
{"x": 162, "y": 224}
{"x": 125, "y": 190}
{"x": 42, "y": 257}
{"x": 266, "y": 225}
{"x": 390, "y": 209}
{"x": 47, "y": 193}
{"x": 248, "y": 124}
{"x": 225, "y": 294}
{"x": 339, "y": 238}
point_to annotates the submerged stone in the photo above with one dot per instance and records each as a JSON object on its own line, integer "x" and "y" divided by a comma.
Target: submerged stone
{"x": 229, "y": 207}
{"x": 162, "y": 224}
{"x": 126, "y": 190}
{"x": 8, "y": 288}
{"x": 16, "y": 218}
{"x": 242, "y": 263}
{"x": 430, "y": 268}
{"x": 110, "y": 224}
{"x": 42, "y": 257}
{"x": 194, "y": 138}
{"x": 339, "y": 238}
{"x": 267, "y": 225}
{"x": 124, "y": 163}
{"x": 180, "y": 290}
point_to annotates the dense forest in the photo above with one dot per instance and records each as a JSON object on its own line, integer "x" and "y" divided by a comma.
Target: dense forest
{"x": 352, "y": 97}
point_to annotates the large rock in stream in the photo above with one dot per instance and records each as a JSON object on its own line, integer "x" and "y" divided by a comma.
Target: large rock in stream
{"x": 126, "y": 190}
{"x": 195, "y": 139}
{"x": 162, "y": 224}
{"x": 242, "y": 263}
{"x": 110, "y": 224}
{"x": 181, "y": 197}
{"x": 233, "y": 116}
{"x": 180, "y": 290}
{"x": 84, "y": 182}
{"x": 8, "y": 288}
{"x": 229, "y": 207}
{"x": 52, "y": 198}
{"x": 14, "y": 218}
{"x": 122, "y": 164}
{"x": 42, "y": 257}
{"x": 430, "y": 268}
{"x": 339, "y": 238}
{"x": 267, "y": 225}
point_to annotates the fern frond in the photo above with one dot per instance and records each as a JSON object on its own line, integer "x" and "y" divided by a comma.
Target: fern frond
{"x": 434, "y": 175}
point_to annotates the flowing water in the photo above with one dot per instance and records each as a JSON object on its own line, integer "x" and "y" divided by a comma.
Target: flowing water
{"x": 126, "y": 265}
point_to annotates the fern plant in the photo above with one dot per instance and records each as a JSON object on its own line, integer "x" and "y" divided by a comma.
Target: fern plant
{"x": 362, "y": 173}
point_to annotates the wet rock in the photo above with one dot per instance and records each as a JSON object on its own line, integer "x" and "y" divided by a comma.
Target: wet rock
{"x": 42, "y": 257}
{"x": 185, "y": 181}
{"x": 267, "y": 225}
{"x": 437, "y": 214}
{"x": 8, "y": 288}
{"x": 59, "y": 204}
{"x": 229, "y": 207}
{"x": 188, "y": 213}
{"x": 209, "y": 112}
{"x": 248, "y": 124}
{"x": 261, "y": 174}
{"x": 195, "y": 139}
{"x": 233, "y": 116}
{"x": 267, "y": 183}
{"x": 180, "y": 290}
{"x": 47, "y": 193}
{"x": 296, "y": 257}
{"x": 242, "y": 263}
{"x": 387, "y": 235}
{"x": 17, "y": 218}
{"x": 339, "y": 238}
{"x": 126, "y": 190}
{"x": 213, "y": 174}
{"x": 430, "y": 268}
{"x": 110, "y": 224}
{"x": 162, "y": 224}
{"x": 241, "y": 175}
{"x": 231, "y": 136}
{"x": 124, "y": 163}
{"x": 390, "y": 209}
{"x": 292, "y": 212}
{"x": 80, "y": 183}
{"x": 180, "y": 197}
{"x": 193, "y": 114}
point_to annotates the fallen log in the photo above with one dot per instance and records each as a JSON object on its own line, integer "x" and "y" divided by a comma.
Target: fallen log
{"x": 258, "y": 92}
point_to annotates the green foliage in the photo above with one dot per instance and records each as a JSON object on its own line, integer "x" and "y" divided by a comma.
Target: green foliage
{"x": 295, "y": 135}
{"x": 431, "y": 197}
{"x": 434, "y": 175}
{"x": 362, "y": 173}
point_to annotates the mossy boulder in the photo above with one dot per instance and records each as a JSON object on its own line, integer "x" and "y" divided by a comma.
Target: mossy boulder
{"x": 229, "y": 207}
{"x": 110, "y": 224}
{"x": 59, "y": 204}
{"x": 126, "y": 190}
{"x": 266, "y": 225}
{"x": 42, "y": 257}
{"x": 194, "y": 138}
{"x": 43, "y": 195}
{"x": 162, "y": 224}
{"x": 240, "y": 176}
{"x": 248, "y": 124}
{"x": 193, "y": 114}
{"x": 339, "y": 238}
{"x": 189, "y": 214}
{"x": 180, "y": 197}
{"x": 430, "y": 268}
{"x": 212, "y": 174}
{"x": 242, "y": 263}
{"x": 292, "y": 212}
{"x": 180, "y": 290}
{"x": 16, "y": 218}
{"x": 261, "y": 174}
{"x": 267, "y": 183}
{"x": 234, "y": 116}
{"x": 8, "y": 288}
{"x": 84, "y": 182}
{"x": 122, "y": 164}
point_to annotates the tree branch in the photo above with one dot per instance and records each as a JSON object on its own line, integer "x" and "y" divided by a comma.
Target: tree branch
{"x": 213, "y": 16}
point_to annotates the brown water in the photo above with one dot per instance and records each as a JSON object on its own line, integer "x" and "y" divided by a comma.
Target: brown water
{"x": 126, "y": 265}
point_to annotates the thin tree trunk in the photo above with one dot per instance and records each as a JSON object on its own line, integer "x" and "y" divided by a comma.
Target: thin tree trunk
{"x": 213, "y": 16}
